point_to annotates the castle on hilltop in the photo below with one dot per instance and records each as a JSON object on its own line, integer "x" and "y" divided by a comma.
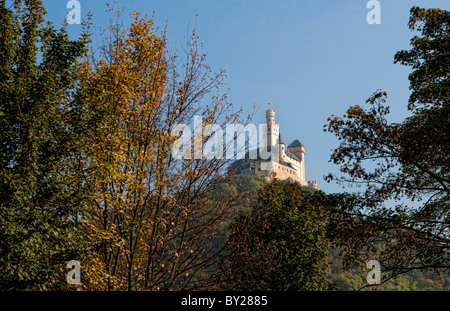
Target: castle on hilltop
{"x": 283, "y": 164}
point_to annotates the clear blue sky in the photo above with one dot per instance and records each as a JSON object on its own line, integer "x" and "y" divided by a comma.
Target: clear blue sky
{"x": 308, "y": 58}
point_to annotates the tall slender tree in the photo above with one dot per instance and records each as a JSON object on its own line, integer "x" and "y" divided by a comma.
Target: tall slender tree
{"x": 150, "y": 222}
{"x": 39, "y": 201}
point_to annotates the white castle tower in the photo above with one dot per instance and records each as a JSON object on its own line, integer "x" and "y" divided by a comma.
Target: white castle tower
{"x": 271, "y": 130}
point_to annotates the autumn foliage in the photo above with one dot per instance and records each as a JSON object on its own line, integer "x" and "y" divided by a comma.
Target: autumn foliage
{"x": 148, "y": 220}
{"x": 87, "y": 170}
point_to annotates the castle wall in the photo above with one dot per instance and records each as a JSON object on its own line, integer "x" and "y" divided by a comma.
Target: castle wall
{"x": 282, "y": 172}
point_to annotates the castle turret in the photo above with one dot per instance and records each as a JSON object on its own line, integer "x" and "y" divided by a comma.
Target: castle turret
{"x": 270, "y": 116}
{"x": 312, "y": 184}
{"x": 272, "y": 130}
{"x": 298, "y": 149}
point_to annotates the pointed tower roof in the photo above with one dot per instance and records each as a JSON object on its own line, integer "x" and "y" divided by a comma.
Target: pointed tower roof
{"x": 280, "y": 140}
{"x": 295, "y": 143}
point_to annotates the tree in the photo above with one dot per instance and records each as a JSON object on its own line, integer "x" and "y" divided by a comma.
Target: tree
{"x": 280, "y": 244}
{"x": 410, "y": 160}
{"x": 39, "y": 200}
{"x": 150, "y": 222}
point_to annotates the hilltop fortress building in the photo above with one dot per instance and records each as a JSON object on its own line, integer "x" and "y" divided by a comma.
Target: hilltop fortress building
{"x": 284, "y": 164}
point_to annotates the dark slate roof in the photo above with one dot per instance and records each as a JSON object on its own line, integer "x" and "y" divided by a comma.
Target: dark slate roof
{"x": 280, "y": 140}
{"x": 295, "y": 143}
{"x": 293, "y": 156}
